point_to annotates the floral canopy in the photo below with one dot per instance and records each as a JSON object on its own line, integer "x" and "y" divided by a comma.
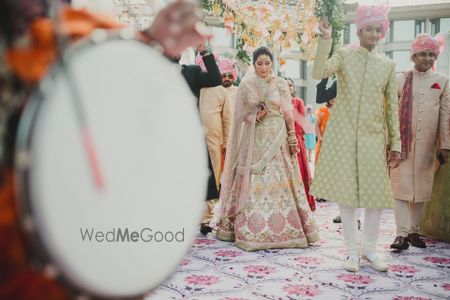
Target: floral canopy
{"x": 282, "y": 25}
{"x": 288, "y": 27}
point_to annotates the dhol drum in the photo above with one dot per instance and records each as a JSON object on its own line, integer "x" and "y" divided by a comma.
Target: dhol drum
{"x": 111, "y": 168}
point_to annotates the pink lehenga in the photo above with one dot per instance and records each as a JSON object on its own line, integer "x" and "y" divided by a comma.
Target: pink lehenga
{"x": 262, "y": 198}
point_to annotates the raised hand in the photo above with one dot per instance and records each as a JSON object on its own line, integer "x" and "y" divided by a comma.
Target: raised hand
{"x": 200, "y": 47}
{"x": 325, "y": 28}
{"x": 178, "y": 26}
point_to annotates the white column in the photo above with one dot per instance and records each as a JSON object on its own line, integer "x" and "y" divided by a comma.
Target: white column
{"x": 427, "y": 28}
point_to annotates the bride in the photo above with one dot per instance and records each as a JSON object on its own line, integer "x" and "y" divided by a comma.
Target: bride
{"x": 263, "y": 203}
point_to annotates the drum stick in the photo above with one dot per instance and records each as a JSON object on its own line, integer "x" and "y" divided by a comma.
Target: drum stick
{"x": 92, "y": 157}
{"x": 86, "y": 136}
{"x": 80, "y": 112}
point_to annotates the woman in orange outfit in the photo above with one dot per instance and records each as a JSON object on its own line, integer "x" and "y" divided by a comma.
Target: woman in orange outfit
{"x": 322, "y": 114}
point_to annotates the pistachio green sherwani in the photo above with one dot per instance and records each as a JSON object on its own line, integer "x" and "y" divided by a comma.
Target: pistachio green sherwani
{"x": 352, "y": 168}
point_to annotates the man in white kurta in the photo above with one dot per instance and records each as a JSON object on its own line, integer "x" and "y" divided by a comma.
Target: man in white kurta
{"x": 425, "y": 134}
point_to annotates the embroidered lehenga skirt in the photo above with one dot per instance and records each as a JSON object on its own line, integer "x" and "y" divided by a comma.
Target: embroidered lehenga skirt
{"x": 277, "y": 214}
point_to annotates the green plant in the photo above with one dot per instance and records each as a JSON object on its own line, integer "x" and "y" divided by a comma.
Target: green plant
{"x": 241, "y": 53}
{"x": 335, "y": 11}
{"x": 207, "y": 5}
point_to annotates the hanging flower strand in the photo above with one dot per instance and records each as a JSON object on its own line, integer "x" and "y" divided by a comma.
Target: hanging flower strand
{"x": 283, "y": 25}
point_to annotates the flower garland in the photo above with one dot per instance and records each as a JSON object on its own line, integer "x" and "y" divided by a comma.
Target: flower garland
{"x": 282, "y": 25}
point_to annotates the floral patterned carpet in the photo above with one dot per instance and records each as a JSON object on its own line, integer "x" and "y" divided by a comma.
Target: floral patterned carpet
{"x": 219, "y": 270}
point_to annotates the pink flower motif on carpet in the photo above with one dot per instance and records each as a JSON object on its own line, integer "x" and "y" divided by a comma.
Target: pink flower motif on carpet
{"x": 343, "y": 251}
{"x": 277, "y": 223}
{"x": 430, "y": 242}
{"x": 202, "y": 279}
{"x": 256, "y": 223}
{"x": 204, "y": 242}
{"x": 354, "y": 278}
{"x": 294, "y": 219}
{"x": 307, "y": 260}
{"x": 410, "y": 298}
{"x": 386, "y": 231}
{"x": 387, "y": 246}
{"x": 185, "y": 262}
{"x": 438, "y": 260}
{"x": 302, "y": 289}
{"x": 403, "y": 269}
{"x": 260, "y": 269}
{"x": 320, "y": 242}
{"x": 228, "y": 253}
{"x": 446, "y": 286}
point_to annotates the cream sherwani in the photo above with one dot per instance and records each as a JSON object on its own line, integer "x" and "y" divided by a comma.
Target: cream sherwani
{"x": 412, "y": 181}
{"x": 232, "y": 90}
{"x": 215, "y": 112}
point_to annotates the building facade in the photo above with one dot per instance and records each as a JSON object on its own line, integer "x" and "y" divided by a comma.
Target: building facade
{"x": 408, "y": 19}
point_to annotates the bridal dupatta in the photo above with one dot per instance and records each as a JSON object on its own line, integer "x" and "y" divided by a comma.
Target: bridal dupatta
{"x": 235, "y": 183}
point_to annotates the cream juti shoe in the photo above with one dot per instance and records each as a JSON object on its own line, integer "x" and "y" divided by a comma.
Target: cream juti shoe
{"x": 351, "y": 264}
{"x": 377, "y": 263}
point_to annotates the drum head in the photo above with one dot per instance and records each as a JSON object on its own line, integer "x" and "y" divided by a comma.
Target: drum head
{"x": 127, "y": 237}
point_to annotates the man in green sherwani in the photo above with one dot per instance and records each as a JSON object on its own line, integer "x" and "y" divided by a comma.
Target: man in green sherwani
{"x": 436, "y": 215}
{"x": 352, "y": 169}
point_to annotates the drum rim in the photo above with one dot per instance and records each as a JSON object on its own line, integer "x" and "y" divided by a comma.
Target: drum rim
{"x": 36, "y": 249}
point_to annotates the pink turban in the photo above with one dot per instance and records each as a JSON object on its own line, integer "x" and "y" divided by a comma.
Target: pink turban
{"x": 425, "y": 41}
{"x": 367, "y": 14}
{"x": 226, "y": 66}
